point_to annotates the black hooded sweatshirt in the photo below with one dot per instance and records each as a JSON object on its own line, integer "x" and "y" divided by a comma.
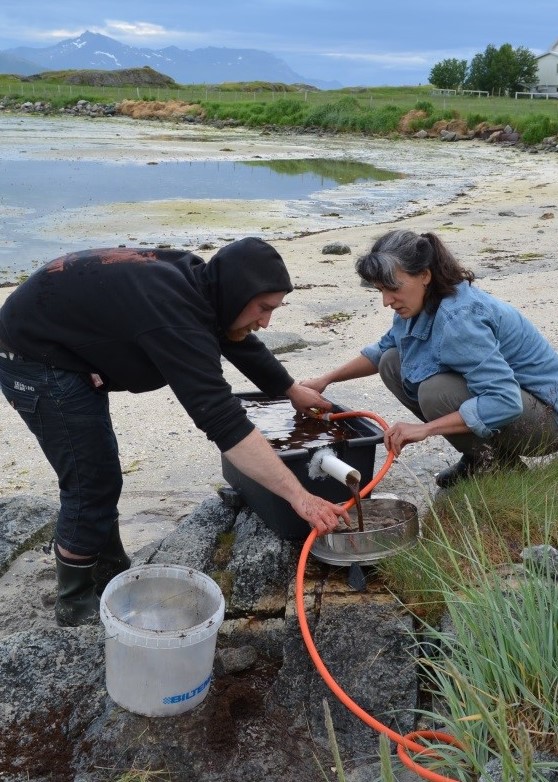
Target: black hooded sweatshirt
{"x": 145, "y": 318}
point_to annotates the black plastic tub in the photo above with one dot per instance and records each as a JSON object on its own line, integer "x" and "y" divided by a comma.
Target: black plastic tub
{"x": 358, "y": 450}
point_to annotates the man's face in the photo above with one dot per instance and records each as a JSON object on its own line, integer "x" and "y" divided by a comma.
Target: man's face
{"x": 255, "y": 315}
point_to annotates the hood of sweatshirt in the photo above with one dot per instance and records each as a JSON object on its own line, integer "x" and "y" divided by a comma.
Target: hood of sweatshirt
{"x": 240, "y": 271}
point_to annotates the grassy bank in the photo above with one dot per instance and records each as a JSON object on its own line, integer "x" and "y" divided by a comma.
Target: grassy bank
{"x": 482, "y": 585}
{"x": 371, "y": 111}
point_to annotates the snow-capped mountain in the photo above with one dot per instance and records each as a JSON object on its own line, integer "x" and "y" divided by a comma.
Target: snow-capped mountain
{"x": 210, "y": 65}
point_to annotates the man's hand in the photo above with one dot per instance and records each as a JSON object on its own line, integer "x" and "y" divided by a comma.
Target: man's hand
{"x": 321, "y": 514}
{"x": 255, "y": 457}
{"x": 304, "y": 399}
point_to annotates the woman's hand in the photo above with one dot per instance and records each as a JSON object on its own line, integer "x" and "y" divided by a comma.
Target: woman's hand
{"x": 401, "y": 434}
{"x": 357, "y": 367}
{"x": 317, "y": 383}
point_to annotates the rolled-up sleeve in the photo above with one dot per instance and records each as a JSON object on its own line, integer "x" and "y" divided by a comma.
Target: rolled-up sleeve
{"x": 374, "y": 351}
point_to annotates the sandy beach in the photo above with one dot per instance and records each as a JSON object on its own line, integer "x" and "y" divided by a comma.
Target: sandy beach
{"x": 501, "y": 223}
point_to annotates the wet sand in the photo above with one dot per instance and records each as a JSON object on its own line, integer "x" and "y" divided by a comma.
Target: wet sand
{"x": 96, "y": 155}
{"x": 501, "y": 222}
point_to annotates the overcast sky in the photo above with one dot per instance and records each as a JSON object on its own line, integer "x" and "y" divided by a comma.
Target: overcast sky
{"x": 351, "y": 41}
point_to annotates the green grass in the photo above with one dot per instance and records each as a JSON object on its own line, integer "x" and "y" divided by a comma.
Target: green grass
{"x": 494, "y": 675}
{"x": 490, "y": 668}
{"x": 496, "y": 506}
{"x": 374, "y": 111}
{"x": 496, "y": 670}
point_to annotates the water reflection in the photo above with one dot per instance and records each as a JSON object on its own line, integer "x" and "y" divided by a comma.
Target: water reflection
{"x": 45, "y": 185}
{"x": 342, "y": 172}
{"x": 288, "y": 430}
{"x": 36, "y": 194}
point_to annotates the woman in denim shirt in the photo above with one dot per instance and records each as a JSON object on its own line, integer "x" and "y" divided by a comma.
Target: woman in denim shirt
{"x": 470, "y": 366}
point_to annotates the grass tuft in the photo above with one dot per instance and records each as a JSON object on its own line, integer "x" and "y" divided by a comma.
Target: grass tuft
{"x": 490, "y": 620}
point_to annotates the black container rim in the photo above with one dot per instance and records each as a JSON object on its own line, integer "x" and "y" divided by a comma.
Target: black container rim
{"x": 360, "y": 442}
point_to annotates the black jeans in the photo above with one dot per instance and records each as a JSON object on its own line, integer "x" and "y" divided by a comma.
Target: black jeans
{"x": 71, "y": 421}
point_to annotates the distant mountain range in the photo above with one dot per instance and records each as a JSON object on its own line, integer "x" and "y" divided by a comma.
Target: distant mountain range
{"x": 211, "y": 65}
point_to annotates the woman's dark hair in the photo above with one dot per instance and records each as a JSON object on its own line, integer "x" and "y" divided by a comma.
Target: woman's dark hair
{"x": 413, "y": 253}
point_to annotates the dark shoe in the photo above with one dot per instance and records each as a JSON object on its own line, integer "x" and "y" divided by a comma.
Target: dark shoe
{"x": 112, "y": 560}
{"x": 459, "y": 471}
{"x": 77, "y": 602}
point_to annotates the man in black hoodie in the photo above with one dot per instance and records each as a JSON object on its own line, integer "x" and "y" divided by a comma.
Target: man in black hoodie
{"x": 138, "y": 319}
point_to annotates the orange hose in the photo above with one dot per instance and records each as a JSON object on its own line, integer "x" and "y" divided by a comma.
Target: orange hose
{"x": 404, "y": 743}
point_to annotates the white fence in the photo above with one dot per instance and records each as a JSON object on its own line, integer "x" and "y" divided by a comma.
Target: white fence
{"x": 539, "y": 95}
{"x": 460, "y": 92}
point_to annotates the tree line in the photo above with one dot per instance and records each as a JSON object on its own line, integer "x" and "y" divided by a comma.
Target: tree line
{"x": 500, "y": 71}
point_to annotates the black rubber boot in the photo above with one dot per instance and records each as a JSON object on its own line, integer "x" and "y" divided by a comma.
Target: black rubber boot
{"x": 462, "y": 469}
{"x": 77, "y": 602}
{"x": 112, "y": 560}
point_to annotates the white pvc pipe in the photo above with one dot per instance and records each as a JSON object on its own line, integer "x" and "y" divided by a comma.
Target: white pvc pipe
{"x": 324, "y": 462}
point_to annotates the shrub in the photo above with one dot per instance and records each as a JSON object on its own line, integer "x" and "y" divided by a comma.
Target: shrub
{"x": 503, "y": 119}
{"x": 424, "y": 123}
{"x": 381, "y": 121}
{"x": 537, "y": 127}
{"x": 424, "y": 105}
{"x": 340, "y": 115}
{"x": 475, "y": 119}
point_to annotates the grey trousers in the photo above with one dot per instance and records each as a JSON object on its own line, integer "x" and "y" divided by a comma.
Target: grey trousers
{"x": 535, "y": 433}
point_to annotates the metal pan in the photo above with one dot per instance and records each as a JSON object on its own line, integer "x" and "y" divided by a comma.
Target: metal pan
{"x": 390, "y": 525}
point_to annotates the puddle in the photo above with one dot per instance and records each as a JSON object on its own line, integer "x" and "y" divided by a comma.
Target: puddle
{"x": 45, "y": 186}
{"x": 69, "y": 184}
{"x": 44, "y": 202}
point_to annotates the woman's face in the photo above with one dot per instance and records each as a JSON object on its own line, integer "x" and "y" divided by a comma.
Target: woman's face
{"x": 408, "y": 298}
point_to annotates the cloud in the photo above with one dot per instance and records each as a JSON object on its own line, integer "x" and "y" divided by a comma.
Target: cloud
{"x": 135, "y": 29}
{"x": 134, "y": 33}
{"x": 400, "y": 60}
{"x": 139, "y": 33}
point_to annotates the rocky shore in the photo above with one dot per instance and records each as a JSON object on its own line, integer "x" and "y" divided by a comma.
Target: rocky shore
{"x": 501, "y": 224}
{"x": 58, "y": 722}
{"x": 182, "y": 112}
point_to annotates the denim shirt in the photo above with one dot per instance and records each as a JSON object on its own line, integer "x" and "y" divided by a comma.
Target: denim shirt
{"x": 492, "y": 345}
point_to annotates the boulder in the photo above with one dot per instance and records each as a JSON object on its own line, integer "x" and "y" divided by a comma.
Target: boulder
{"x": 364, "y": 640}
{"x": 24, "y": 520}
{"x": 336, "y": 248}
{"x": 265, "y": 705}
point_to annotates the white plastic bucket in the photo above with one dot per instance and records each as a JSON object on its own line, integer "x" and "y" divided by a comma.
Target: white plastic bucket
{"x": 161, "y": 624}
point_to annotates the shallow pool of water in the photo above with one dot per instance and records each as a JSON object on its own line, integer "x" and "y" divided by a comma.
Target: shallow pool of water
{"x": 39, "y": 197}
{"x": 44, "y": 186}
{"x": 68, "y": 183}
